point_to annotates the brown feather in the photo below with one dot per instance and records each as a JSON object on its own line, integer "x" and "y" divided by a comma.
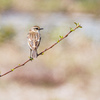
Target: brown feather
{"x": 34, "y": 39}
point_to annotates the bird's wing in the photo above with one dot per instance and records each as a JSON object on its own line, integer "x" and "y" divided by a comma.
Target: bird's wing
{"x": 33, "y": 40}
{"x": 38, "y": 40}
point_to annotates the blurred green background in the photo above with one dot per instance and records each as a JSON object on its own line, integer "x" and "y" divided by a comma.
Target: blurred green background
{"x": 68, "y": 71}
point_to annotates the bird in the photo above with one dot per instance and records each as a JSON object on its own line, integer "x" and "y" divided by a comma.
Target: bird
{"x": 34, "y": 39}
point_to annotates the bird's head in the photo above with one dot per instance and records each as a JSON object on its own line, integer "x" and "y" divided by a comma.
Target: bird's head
{"x": 36, "y": 29}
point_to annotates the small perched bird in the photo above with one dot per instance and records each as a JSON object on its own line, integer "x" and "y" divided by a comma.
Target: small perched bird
{"x": 34, "y": 39}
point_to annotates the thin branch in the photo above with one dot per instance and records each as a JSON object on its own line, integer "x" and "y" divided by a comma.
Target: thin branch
{"x": 41, "y": 53}
{"x": 15, "y": 68}
{"x": 59, "y": 40}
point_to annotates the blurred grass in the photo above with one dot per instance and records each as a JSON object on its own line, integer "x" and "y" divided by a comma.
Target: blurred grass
{"x": 6, "y": 33}
{"x": 87, "y": 6}
{"x": 90, "y": 6}
{"x": 5, "y": 4}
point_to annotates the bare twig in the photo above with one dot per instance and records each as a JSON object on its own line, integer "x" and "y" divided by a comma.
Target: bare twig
{"x": 59, "y": 40}
{"x": 41, "y": 53}
{"x": 15, "y": 67}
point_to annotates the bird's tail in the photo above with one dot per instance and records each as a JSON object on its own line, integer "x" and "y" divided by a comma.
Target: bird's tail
{"x": 34, "y": 53}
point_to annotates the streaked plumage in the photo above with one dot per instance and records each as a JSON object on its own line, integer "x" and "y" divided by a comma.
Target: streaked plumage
{"x": 34, "y": 39}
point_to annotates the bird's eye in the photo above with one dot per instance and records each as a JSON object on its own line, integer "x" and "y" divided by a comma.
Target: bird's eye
{"x": 36, "y": 28}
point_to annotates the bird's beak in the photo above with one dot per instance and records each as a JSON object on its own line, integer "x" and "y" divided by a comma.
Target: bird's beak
{"x": 41, "y": 28}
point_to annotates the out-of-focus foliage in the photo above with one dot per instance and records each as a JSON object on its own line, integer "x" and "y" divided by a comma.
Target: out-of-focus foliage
{"x": 5, "y": 4}
{"x": 91, "y": 6}
{"x": 50, "y": 5}
{"x": 6, "y": 33}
